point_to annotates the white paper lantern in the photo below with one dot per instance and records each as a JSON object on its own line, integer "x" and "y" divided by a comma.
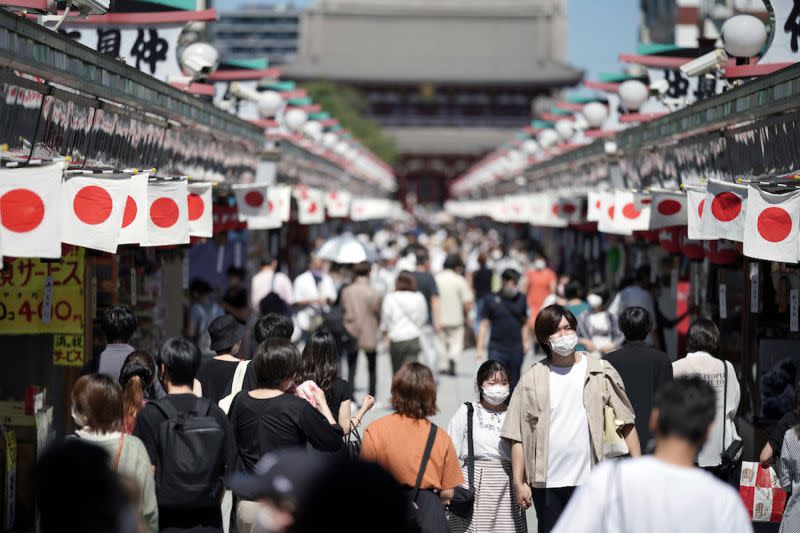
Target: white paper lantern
{"x": 341, "y": 148}
{"x": 565, "y": 129}
{"x": 595, "y": 113}
{"x": 548, "y": 138}
{"x": 295, "y": 119}
{"x": 199, "y": 60}
{"x": 313, "y": 129}
{"x": 632, "y": 94}
{"x": 530, "y": 147}
{"x": 580, "y": 123}
{"x": 329, "y": 140}
{"x": 269, "y": 102}
{"x": 744, "y": 35}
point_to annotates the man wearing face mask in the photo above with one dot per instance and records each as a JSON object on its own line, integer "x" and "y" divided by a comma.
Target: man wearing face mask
{"x": 555, "y": 418}
{"x": 506, "y": 314}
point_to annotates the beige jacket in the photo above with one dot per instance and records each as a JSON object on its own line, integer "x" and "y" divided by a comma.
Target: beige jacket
{"x": 528, "y": 417}
{"x": 361, "y": 308}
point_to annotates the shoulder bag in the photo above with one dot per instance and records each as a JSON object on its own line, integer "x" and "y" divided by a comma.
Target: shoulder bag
{"x": 236, "y": 386}
{"x": 463, "y": 500}
{"x": 730, "y": 455}
{"x": 613, "y": 443}
{"x": 426, "y": 512}
{"x": 352, "y": 442}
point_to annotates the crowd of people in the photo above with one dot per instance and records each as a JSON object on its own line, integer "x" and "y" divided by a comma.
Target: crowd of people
{"x": 250, "y": 421}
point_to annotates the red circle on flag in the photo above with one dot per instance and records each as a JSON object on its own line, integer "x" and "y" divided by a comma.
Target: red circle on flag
{"x": 726, "y": 206}
{"x": 700, "y": 208}
{"x": 774, "y": 224}
{"x": 21, "y": 210}
{"x": 669, "y": 207}
{"x": 269, "y": 203}
{"x": 196, "y": 206}
{"x": 611, "y": 212}
{"x": 569, "y": 208}
{"x": 254, "y": 199}
{"x": 312, "y": 207}
{"x": 629, "y": 211}
{"x": 130, "y": 212}
{"x": 333, "y": 195}
{"x": 646, "y": 201}
{"x": 554, "y": 209}
{"x": 597, "y": 204}
{"x": 164, "y": 212}
{"x": 92, "y": 205}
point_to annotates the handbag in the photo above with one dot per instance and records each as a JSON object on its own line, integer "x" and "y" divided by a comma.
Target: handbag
{"x": 614, "y": 444}
{"x": 761, "y": 493}
{"x": 463, "y": 501}
{"x": 352, "y": 442}
{"x": 426, "y": 512}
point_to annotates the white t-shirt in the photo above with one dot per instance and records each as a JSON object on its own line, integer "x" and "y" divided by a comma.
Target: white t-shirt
{"x": 403, "y": 313}
{"x": 648, "y": 495}
{"x": 486, "y": 441}
{"x": 570, "y": 450}
{"x": 262, "y": 284}
{"x": 307, "y": 288}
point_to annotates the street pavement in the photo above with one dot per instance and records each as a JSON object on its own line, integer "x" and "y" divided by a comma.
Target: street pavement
{"x": 452, "y": 392}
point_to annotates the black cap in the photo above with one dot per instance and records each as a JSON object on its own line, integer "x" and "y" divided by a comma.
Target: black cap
{"x": 289, "y": 473}
{"x": 225, "y": 331}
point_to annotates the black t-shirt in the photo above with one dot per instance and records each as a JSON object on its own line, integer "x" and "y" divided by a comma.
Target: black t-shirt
{"x": 426, "y": 284}
{"x": 777, "y": 431}
{"x": 250, "y": 382}
{"x": 147, "y": 429}
{"x": 216, "y": 377}
{"x": 482, "y": 283}
{"x": 339, "y": 391}
{"x": 285, "y": 421}
{"x": 507, "y": 316}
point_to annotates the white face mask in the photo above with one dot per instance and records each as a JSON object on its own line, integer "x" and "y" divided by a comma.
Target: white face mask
{"x": 594, "y": 300}
{"x": 564, "y": 346}
{"x": 495, "y": 394}
{"x": 539, "y": 264}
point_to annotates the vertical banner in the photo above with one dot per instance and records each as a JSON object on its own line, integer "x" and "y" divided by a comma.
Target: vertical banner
{"x": 794, "y": 296}
{"x": 723, "y": 301}
{"x": 754, "y": 287}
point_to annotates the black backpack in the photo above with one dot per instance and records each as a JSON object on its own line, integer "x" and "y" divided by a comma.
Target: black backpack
{"x": 191, "y": 448}
{"x": 273, "y": 303}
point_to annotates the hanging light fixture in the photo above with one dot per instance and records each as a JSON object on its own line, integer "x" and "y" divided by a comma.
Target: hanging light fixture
{"x": 530, "y": 147}
{"x": 565, "y": 129}
{"x": 268, "y": 103}
{"x": 595, "y": 113}
{"x": 548, "y": 138}
{"x": 295, "y": 119}
{"x": 744, "y": 36}
{"x": 632, "y": 94}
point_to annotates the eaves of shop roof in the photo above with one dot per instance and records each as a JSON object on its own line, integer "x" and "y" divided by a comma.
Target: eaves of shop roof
{"x": 443, "y": 140}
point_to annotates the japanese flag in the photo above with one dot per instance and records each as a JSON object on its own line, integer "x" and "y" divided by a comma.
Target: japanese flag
{"x": 594, "y": 209}
{"x": 697, "y": 213}
{"x": 134, "y": 217}
{"x": 569, "y": 209}
{"x": 310, "y": 206}
{"x": 337, "y": 204}
{"x": 92, "y": 210}
{"x": 280, "y": 202}
{"x": 632, "y": 210}
{"x": 251, "y": 201}
{"x": 668, "y": 209}
{"x": 516, "y": 207}
{"x": 549, "y": 211}
{"x": 30, "y": 211}
{"x": 200, "y": 206}
{"x": 167, "y": 213}
{"x": 771, "y": 226}
{"x": 725, "y": 211}
{"x": 610, "y": 220}
{"x": 367, "y": 209}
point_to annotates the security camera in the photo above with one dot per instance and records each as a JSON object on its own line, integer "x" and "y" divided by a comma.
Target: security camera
{"x": 91, "y": 7}
{"x": 659, "y": 87}
{"x": 199, "y": 60}
{"x": 710, "y": 62}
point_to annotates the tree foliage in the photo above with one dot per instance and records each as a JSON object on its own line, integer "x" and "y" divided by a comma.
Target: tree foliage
{"x": 349, "y": 106}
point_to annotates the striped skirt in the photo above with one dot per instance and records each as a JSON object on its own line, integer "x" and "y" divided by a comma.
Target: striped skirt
{"x": 496, "y": 508}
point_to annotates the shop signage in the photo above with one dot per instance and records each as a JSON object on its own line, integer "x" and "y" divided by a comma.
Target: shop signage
{"x": 68, "y": 350}
{"x": 26, "y": 286}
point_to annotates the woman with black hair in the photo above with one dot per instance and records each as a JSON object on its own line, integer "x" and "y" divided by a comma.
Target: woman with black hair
{"x": 136, "y": 379}
{"x": 495, "y": 505}
{"x": 321, "y": 365}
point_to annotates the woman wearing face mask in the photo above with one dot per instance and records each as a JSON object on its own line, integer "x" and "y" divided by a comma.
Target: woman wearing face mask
{"x": 495, "y": 507}
{"x": 555, "y": 418}
{"x": 597, "y": 327}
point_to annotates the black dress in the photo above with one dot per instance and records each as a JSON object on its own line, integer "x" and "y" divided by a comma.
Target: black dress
{"x": 339, "y": 391}
{"x": 216, "y": 377}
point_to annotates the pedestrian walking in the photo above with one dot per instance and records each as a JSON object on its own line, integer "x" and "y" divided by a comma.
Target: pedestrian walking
{"x": 190, "y": 445}
{"x": 399, "y": 441}
{"x": 481, "y": 288}
{"x": 271, "y": 325}
{"x": 541, "y": 282}
{"x": 426, "y": 284}
{"x": 455, "y": 303}
{"x": 663, "y": 492}
{"x": 598, "y": 328}
{"x": 489, "y": 456}
{"x": 137, "y": 379}
{"x": 361, "y": 307}
{"x": 314, "y": 291}
{"x": 271, "y": 417}
{"x": 403, "y": 313}
{"x": 97, "y": 407}
{"x": 636, "y": 294}
{"x": 215, "y": 378}
{"x": 269, "y": 281}
{"x": 788, "y": 469}
{"x": 505, "y": 313}
{"x": 643, "y": 369}
{"x": 320, "y": 364}
{"x": 118, "y": 325}
{"x": 722, "y": 452}
{"x": 555, "y": 418}
{"x": 202, "y": 310}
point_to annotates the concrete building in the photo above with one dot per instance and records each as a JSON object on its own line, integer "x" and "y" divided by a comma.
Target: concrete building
{"x": 449, "y": 79}
{"x": 258, "y": 31}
